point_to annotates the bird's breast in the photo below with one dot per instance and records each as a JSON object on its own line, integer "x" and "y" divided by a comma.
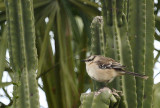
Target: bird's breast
{"x": 101, "y": 75}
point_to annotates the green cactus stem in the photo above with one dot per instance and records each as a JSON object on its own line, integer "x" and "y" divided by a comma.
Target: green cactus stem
{"x": 149, "y": 63}
{"x": 104, "y": 98}
{"x": 120, "y": 11}
{"x": 108, "y": 29}
{"x": 118, "y": 34}
{"x": 111, "y": 34}
{"x": 22, "y": 50}
{"x": 97, "y": 40}
{"x": 137, "y": 37}
{"x": 128, "y": 82}
{"x": 97, "y": 43}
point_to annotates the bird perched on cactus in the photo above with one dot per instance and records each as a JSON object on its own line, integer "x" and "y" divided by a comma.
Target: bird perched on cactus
{"x": 104, "y": 69}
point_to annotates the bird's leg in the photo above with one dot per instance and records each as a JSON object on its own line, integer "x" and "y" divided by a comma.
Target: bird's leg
{"x": 94, "y": 85}
{"x": 98, "y": 85}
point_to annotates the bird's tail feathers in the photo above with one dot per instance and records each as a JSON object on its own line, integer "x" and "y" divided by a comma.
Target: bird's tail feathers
{"x": 137, "y": 75}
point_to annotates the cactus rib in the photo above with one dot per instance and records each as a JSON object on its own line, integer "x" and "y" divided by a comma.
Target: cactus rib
{"x": 149, "y": 54}
{"x": 137, "y": 35}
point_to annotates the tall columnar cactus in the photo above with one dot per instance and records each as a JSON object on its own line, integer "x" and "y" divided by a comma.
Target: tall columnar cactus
{"x": 111, "y": 33}
{"x": 128, "y": 82}
{"x": 22, "y": 50}
{"x": 150, "y": 25}
{"x": 137, "y": 35}
{"x": 97, "y": 40}
{"x": 103, "y": 98}
{"x": 122, "y": 46}
{"x": 108, "y": 28}
{"x": 127, "y": 35}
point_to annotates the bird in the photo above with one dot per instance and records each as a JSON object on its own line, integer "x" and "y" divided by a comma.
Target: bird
{"x": 105, "y": 69}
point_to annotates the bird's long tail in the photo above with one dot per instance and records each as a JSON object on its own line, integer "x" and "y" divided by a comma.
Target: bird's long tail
{"x": 137, "y": 75}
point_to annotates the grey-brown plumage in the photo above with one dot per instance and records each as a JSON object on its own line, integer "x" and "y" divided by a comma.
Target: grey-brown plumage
{"x": 104, "y": 69}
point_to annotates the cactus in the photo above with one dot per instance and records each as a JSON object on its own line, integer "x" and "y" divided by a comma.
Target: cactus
{"x": 120, "y": 31}
{"x": 107, "y": 18}
{"x": 110, "y": 29}
{"x": 149, "y": 54}
{"x": 98, "y": 47}
{"x": 137, "y": 36}
{"x": 126, "y": 42}
{"x": 97, "y": 40}
{"x": 104, "y": 98}
{"x": 126, "y": 59}
{"x": 97, "y": 43}
{"x": 22, "y": 50}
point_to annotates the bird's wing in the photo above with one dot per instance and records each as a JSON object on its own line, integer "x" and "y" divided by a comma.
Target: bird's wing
{"x": 108, "y": 63}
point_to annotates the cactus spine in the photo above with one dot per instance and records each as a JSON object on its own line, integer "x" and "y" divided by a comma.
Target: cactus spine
{"x": 22, "y": 50}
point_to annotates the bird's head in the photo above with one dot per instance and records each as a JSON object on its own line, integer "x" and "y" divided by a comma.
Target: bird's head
{"x": 89, "y": 59}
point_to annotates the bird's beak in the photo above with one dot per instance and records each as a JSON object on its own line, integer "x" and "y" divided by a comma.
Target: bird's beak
{"x": 83, "y": 60}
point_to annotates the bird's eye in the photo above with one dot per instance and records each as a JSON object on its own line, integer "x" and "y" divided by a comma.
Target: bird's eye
{"x": 89, "y": 60}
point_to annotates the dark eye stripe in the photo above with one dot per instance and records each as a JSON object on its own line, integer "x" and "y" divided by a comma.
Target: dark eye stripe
{"x": 91, "y": 59}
